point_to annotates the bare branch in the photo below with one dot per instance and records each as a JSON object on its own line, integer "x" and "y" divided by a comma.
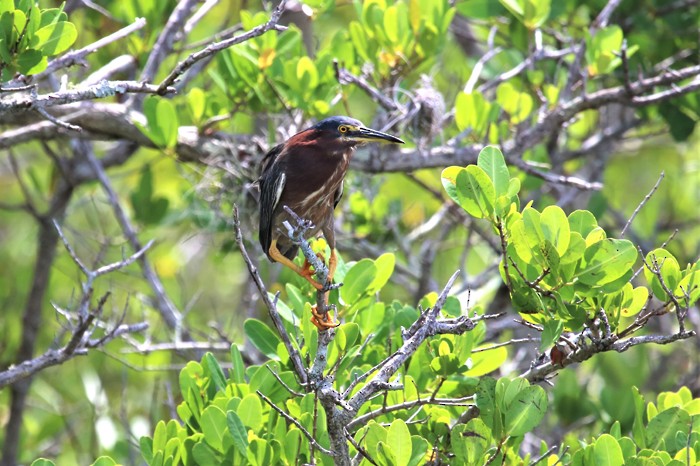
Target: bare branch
{"x": 164, "y": 43}
{"x": 271, "y": 306}
{"x": 211, "y": 49}
{"x": 24, "y": 102}
{"x": 306, "y": 433}
{"x": 641, "y": 204}
{"x": 165, "y": 306}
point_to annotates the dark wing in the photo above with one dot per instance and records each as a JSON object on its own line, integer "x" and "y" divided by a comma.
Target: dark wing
{"x": 269, "y": 158}
{"x": 271, "y": 184}
{"x": 338, "y": 195}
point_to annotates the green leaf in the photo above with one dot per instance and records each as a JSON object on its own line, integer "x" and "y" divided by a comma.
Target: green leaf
{"x": 607, "y": 451}
{"x": 203, "y": 454}
{"x": 106, "y": 461}
{"x": 216, "y": 374}
{"x": 385, "y": 268}
{"x": 493, "y": 163}
{"x": 526, "y": 411}
{"x": 668, "y": 268}
{"x": 55, "y": 38}
{"x": 662, "y": 429}
{"x": 399, "y": 441}
{"x": 517, "y": 104}
{"x": 146, "y": 447}
{"x": 250, "y": 411}
{"x": 555, "y": 227}
{"x": 43, "y": 462}
{"x": 475, "y": 192}
{"x": 346, "y": 335}
{"x": 214, "y": 426}
{"x": 52, "y": 16}
{"x": 689, "y": 288}
{"x": 307, "y": 74}
{"x": 262, "y": 337}
{"x": 606, "y": 261}
{"x": 551, "y": 331}
{"x": 292, "y": 443}
{"x": 582, "y": 222}
{"x": 237, "y": 372}
{"x": 602, "y": 50}
{"x": 357, "y": 280}
{"x": 197, "y": 103}
{"x": 238, "y": 432}
{"x": 485, "y": 362}
{"x": 260, "y": 453}
{"x": 391, "y": 23}
{"x": 473, "y": 111}
{"x": 31, "y": 61}
{"x": 470, "y": 441}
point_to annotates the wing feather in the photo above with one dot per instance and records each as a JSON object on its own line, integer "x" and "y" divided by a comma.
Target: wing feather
{"x": 272, "y": 182}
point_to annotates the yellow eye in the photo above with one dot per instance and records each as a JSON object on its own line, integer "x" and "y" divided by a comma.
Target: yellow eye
{"x": 343, "y": 129}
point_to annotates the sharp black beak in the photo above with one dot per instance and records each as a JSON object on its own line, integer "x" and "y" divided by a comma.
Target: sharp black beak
{"x": 372, "y": 135}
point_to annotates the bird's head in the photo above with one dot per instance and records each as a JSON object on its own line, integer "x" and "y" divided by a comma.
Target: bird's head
{"x": 350, "y": 132}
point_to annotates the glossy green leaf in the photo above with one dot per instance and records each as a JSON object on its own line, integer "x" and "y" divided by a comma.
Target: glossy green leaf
{"x": 688, "y": 289}
{"x": 43, "y": 462}
{"x": 385, "y": 268}
{"x": 55, "y": 38}
{"x": 346, "y": 335}
{"x": 262, "y": 337}
{"x": 551, "y": 331}
{"x": 196, "y": 103}
{"x": 475, "y": 192}
{"x": 31, "y": 61}
{"x": 664, "y": 263}
{"x": 470, "y": 441}
{"x": 526, "y": 411}
{"x": 204, "y": 454}
{"x": 250, "y": 412}
{"x": 213, "y": 427}
{"x": 399, "y": 441}
{"x": 607, "y": 451}
{"x": 485, "y": 362}
{"x": 582, "y": 222}
{"x": 238, "y": 432}
{"x": 555, "y": 227}
{"x": 106, "y": 461}
{"x": 493, "y": 163}
{"x": 237, "y": 372}
{"x": 473, "y": 111}
{"x": 216, "y": 374}
{"x": 357, "y": 280}
{"x": 486, "y": 402}
{"x": 662, "y": 429}
{"x": 517, "y": 104}
{"x": 606, "y": 261}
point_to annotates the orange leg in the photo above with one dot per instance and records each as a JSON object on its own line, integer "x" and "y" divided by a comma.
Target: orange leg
{"x": 304, "y": 272}
{"x": 332, "y": 264}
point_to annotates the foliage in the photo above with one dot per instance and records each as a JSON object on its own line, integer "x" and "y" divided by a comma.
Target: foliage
{"x": 547, "y": 123}
{"x": 30, "y": 35}
{"x": 567, "y": 272}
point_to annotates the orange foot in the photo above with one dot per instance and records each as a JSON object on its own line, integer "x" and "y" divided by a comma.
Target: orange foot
{"x": 308, "y": 274}
{"x": 322, "y": 321}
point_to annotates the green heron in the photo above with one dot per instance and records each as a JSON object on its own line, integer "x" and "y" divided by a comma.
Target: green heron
{"x": 306, "y": 174}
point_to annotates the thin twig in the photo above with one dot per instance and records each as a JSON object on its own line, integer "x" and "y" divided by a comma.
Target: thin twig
{"x": 303, "y": 430}
{"x": 211, "y": 49}
{"x": 641, "y": 204}
{"x": 271, "y": 307}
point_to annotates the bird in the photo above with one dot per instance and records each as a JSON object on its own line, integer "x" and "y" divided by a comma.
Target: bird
{"x": 306, "y": 173}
